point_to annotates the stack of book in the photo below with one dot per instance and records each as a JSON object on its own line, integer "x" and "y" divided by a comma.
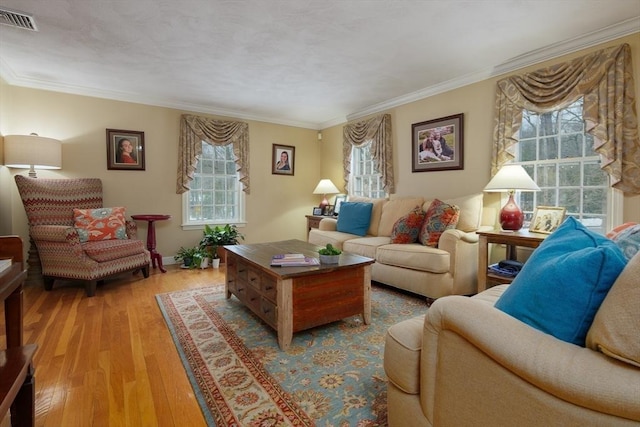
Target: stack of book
{"x": 293, "y": 260}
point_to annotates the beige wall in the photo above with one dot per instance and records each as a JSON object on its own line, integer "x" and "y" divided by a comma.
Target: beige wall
{"x": 275, "y": 208}
{"x": 277, "y": 204}
{"x": 476, "y": 102}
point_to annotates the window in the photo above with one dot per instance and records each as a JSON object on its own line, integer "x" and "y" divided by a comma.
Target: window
{"x": 557, "y": 153}
{"x": 364, "y": 180}
{"x": 216, "y": 195}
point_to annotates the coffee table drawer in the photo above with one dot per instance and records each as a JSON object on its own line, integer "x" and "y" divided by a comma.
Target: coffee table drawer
{"x": 253, "y": 278}
{"x": 268, "y": 312}
{"x": 269, "y": 287}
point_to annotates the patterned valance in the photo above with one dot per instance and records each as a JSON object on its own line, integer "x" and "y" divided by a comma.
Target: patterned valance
{"x": 194, "y": 130}
{"x": 605, "y": 80}
{"x": 378, "y": 131}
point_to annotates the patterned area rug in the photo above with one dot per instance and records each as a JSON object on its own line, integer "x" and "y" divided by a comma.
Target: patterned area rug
{"x": 331, "y": 375}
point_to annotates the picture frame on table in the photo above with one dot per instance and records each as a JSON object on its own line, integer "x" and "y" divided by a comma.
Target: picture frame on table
{"x": 125, "y": 150}
{"x": 546, "y": 219}
{"x": 339, "y": 199}
{"x": 317, "y": 211}
{"x": 328, "y": 210}
{"x": 283, "y": 159}
{"x": 438, "y": 144}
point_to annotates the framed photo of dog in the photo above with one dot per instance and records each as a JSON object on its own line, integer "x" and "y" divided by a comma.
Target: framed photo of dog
{"x": 438, "y": 145}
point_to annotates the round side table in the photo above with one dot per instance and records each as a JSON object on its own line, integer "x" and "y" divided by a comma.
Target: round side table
{"x": 151, "y": 236}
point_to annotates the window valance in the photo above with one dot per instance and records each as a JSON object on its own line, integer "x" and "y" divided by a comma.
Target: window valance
{"x": 605, "y": 80}
{"x": 378, "y": 131}
{"x": 194, "y": 130}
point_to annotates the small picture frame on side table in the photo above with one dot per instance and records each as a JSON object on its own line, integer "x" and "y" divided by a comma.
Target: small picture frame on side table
{"x": 546, "y": 219}
{"x": 328, "y": 211}
{"x": 339, "y": 199}
{"x": 317, "y": 211}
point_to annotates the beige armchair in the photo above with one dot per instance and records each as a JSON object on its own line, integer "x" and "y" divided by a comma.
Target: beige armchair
{"x": 49, "y": 205}
{"x": 467, "y": 363}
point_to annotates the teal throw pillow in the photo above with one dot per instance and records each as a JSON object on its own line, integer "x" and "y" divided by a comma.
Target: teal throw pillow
{"x": 562, "y": 285}
{"x": 354, "y": 218}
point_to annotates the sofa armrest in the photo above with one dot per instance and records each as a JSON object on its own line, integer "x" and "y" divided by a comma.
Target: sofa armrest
{"x": 328, "y": 224}
{"x": 463, "y": 249}
{"x": 52, "y": 233}
{"x": 574, "y": 374}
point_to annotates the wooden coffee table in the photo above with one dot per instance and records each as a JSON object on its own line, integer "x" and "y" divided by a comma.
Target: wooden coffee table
{"x": 292, "y": 299}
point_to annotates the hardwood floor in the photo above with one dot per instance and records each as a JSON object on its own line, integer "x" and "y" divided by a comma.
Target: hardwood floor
{"x": 110, "y": 360}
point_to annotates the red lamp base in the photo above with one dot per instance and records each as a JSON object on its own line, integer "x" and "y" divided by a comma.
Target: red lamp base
{"x": 324, "y": 203}
{"x": 511, "y": 216}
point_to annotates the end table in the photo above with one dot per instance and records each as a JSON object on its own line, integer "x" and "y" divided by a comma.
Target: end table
{"x": 151, "y": 236}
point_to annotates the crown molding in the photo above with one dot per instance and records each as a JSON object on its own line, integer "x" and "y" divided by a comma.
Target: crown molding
{"x": 555, "y": 50}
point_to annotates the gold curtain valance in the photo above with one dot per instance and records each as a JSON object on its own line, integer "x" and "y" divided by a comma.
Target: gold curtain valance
{"x": 378, "y": 131}
{"x": 605, "y": 80}
{"x": 194, "y": 130}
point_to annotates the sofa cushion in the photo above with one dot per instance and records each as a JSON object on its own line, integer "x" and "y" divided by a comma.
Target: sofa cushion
{"x": 627, "y": 237}
{"x": 439, "y": 217}
{"x": 562, "y": 285}
{"x": 393, "y": 210}
{"x": 414, "y": 256}
{"x": 100, "y": 224}
{"x": 109, "y": 250}
{"x": 407, "y": 228}
{"x": 616, "y": 326}
{"x": 470, "y": 211}
{"x": 365, "y": 246}
{"x": 376, "y": 212}
{"x": 354, "y": 218}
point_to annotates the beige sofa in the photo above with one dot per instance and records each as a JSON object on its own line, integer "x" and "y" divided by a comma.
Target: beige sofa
{"x": 449, "y": 269}
{"x": 467, "y": 363}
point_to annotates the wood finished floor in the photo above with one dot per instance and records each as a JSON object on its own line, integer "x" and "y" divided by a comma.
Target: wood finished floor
{"x": 110, "y": 360}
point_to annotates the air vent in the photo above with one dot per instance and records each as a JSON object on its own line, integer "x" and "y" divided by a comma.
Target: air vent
{"x": 17, "y": 19}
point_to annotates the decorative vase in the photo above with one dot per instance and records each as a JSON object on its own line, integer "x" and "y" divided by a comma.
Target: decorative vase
{"x": 329, "y": 259}
{"x": 215, "y": 263}
{"x": 204, "y": 263}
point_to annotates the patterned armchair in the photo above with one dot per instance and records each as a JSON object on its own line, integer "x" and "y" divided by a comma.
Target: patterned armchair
{"x": 49, "y": 204}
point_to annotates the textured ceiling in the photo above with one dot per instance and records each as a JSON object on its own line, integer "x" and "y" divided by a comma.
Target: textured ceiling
{"x": 308, "y": 63}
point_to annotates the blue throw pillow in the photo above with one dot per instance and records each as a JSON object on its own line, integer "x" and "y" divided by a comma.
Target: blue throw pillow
{"x": 562, "y": 285}
{"x": 354, "y": 218}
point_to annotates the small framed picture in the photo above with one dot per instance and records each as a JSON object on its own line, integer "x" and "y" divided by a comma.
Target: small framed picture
{"x": 339, "y": 199}
{"x": 546, "y": 219}
{"x": 125, "y": 150}
{"x": 283, "y": 159}
{"x": 317, "y": 211}
{"x": 328, "y": 210}
{"x": 438, "y": 144}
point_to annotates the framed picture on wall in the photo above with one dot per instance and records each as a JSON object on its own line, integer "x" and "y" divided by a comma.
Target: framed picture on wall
{"x": 283, "y": 159}
{"x": 125, "y": 150}
{"x": 438, "y": 144}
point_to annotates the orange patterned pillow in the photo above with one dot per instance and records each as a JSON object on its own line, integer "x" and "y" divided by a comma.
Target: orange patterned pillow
{"x": 100, "y": 224}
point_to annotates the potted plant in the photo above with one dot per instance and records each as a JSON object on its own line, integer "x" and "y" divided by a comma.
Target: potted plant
{"x": 217, "y": 236}
{"x": 329, "y": 254}
{"x": 192, "y": 257}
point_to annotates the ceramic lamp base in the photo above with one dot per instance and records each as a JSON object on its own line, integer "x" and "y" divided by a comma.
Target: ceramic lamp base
{"x": 511, "y": 216}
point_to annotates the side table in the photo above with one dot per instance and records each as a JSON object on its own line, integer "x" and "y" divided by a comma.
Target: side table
{"x": 151, "y": 236}
{"x": 313, "y": 221}
{"x": 512, "y": 239}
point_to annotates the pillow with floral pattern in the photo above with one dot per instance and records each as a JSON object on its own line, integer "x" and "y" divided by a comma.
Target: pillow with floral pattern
{"x": 406, "y": 229}
{"x": 439, "y": 217}
{"x": 100, "y": 224}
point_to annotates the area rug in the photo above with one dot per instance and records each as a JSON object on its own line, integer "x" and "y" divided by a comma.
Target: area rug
{"x": 331, "y": 375}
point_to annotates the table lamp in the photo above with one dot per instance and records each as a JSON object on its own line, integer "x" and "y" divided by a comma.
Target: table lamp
{"x": 32, "y": 152}
{"x": 324, "y": 187}
{"x": 511, "y": 178}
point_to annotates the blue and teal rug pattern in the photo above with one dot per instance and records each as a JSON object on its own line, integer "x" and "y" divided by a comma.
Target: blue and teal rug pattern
{"x": 331, "y": 375}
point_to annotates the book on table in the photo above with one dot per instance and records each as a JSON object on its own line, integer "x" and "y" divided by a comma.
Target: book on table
{"x": 293, "y": 260}
{"x": 5, "y": 263}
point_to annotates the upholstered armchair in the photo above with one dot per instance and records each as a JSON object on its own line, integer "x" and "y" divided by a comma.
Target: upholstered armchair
{"x": 67, "y": 252}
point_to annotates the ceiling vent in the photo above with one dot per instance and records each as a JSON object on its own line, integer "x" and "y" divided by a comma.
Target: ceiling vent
{"x": 17, "y": 19}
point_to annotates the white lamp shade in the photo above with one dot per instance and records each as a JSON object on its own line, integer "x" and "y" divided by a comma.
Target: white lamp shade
{"x": 26, "y": 151}
{"x": 325, "y": 186}
{"x": 511, "y": 177}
